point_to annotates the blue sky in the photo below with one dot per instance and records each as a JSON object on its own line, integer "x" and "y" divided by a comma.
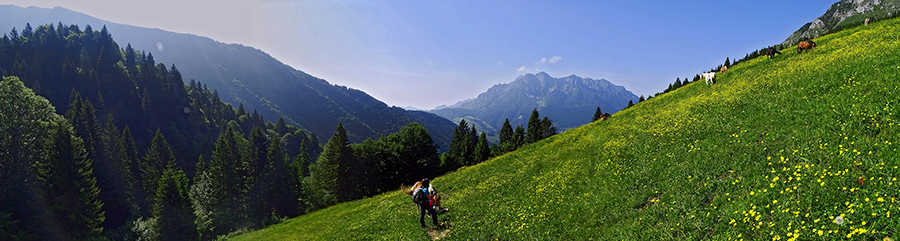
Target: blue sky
{"x": 428, "y": 53}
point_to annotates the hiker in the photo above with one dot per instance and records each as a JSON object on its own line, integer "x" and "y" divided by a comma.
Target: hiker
{"x": 422, "y": 196}
{"x": 435, "y": 199}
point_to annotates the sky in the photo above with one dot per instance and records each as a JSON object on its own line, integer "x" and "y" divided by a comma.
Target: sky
{"x": 429, "y": 53}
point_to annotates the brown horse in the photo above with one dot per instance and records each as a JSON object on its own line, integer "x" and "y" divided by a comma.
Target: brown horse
{"x": 771, "y": 52}
{"x": 805, "y": 45}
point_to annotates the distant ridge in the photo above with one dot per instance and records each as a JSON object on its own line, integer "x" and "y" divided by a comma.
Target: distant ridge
{"x": 568, "y": 101}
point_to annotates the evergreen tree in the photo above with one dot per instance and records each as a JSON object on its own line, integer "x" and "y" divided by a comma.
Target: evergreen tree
{"x": 240, "y": 110}
{"x": 327, "y": 179}
{"x": 257, "y": 178}
{"x": 99, "y": 143}
{"x": 547, "y": 128}
{"x": 159, "y": 156}
{"x": 597, "y": 114}
{"x": 630, "y": 103}
{"x": 460, "y": 152}
{"x": 534, "y": 127}
{"x": 226, "y": 168}
{"x": 482, "y": 149}
{"x": 127, "y": 154}
{"x": 727, "y": 62}
{"x": 641, "y": 99}
{"x": 506, "y": 132}
{"x": 301, "y": 162}
{"x": 350, "y": 174}
{"x": 173, "y": 207}
{"x": 283, "y": 198}
{"x": 300, "y": 170}
{"x": 70, "y": 188}
{"x": 519, "y": 135}
{"x": 281, "y": 127}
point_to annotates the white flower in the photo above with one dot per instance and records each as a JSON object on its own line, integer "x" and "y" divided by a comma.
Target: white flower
{"x": 839, "y": 220}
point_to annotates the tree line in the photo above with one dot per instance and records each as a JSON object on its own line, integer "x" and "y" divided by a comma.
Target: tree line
{"x": 468, "y": 147}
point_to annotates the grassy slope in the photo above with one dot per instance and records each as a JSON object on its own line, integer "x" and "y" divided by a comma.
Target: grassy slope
{"x": 774, "y": 150}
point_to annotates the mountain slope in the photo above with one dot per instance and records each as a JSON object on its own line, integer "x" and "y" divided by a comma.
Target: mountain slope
{"x": 842, "y": 14}
{"x": 568, "y": 101}
{"x": 248, "y": 76}
{"x": 777, "y": 149}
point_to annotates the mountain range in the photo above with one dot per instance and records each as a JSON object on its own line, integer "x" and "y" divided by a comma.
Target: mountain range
{"x": 568, "y": 101}
{"x": 247, "y": 76}
{"x": 842, "y": 14}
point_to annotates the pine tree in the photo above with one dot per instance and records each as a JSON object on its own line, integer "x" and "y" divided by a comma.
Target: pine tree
{"x": 505, "y": 143}
{"x": 597, "y": 114}
{"x": 641, "y": 99}
{"x": 630, "y": 103}
{"x": 228, "y": 166}
{"x": 471, "y": 156}
{"x": 283, "y": 199}
{"x": 727, "y": 62}
{"x": 460, "y": 151}
{"x": 281, "y": 127}
{"x": 519, "y": 135}
{"x": 349, "y": 173}
{"x": 257, "y": 178}
{"x": 482, "y": 149}
{"x": 300, "y": 170}
{"x": 159, "y": 156}
{"x": 173, "y": 207}
{"x": 327, "y": 180}
{"x": 534, "y": 127}
{"x": 547, "y": 128}
{"x": 70, "y": 188}
{"x": 127, "y": 154}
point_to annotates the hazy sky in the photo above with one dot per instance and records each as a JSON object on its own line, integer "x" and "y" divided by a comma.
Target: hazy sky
{"x": 428, "y": 53}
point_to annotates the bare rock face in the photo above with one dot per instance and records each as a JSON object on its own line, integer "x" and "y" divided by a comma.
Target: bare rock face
{"x": 841, "y": 14}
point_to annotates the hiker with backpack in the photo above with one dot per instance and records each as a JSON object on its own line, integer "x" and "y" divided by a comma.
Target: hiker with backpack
{"x": 423, "y": 196}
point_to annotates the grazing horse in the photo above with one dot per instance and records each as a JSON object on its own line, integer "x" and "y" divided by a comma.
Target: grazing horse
{"x": 771, "y": 52}
{"x": 710, "y": 77}
{"x": 723, "y": 69}
{"x": 867, "y": 22}
{"x": 805, "y": 45}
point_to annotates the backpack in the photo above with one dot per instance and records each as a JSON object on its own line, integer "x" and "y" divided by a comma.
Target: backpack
{"x": 419, "y": 197}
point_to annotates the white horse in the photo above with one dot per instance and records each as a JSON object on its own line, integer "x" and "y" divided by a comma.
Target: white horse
{"x": 710, "y": 77}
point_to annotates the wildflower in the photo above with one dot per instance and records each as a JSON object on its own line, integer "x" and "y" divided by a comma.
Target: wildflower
{"x": 839, "y": 220}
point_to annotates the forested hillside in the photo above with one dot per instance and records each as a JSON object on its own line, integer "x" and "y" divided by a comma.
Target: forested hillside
{"x": 103, "y": 142}
{"x": 249, "y": 76}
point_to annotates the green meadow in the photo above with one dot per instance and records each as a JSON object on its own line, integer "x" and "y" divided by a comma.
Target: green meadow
{"x": 802, "y": 147}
